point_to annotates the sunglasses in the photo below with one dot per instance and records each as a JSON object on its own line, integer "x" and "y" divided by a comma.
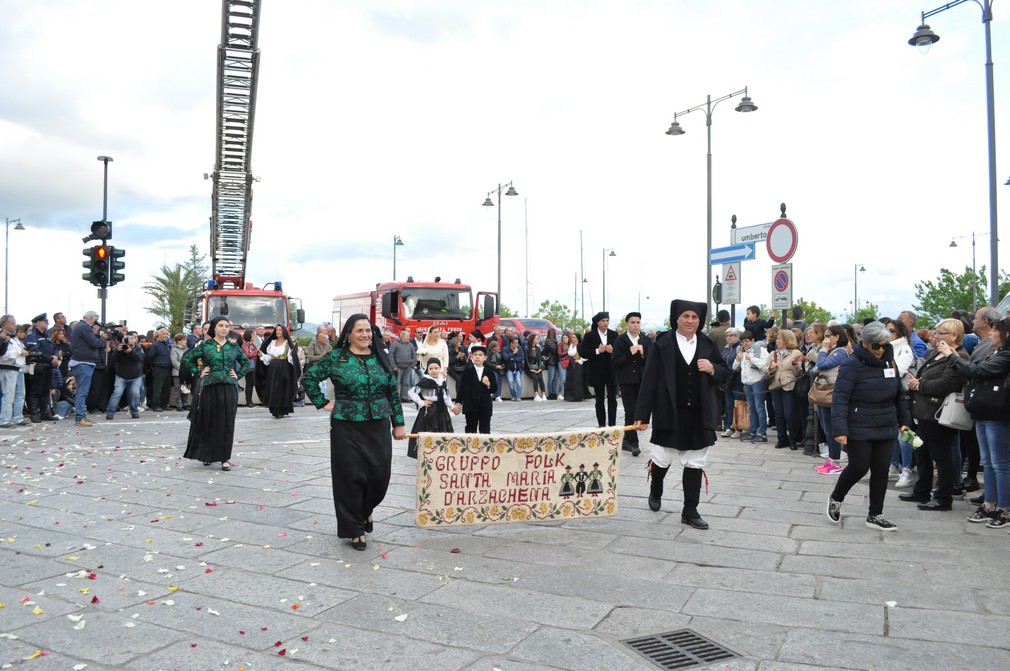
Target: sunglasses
{"x": 877, "y": 346}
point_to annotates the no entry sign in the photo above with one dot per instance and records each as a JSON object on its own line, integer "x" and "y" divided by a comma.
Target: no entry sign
{"x": 781, "y": 241}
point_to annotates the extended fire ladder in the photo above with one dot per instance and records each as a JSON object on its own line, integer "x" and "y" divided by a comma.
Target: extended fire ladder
{"x": 231, "y": 202}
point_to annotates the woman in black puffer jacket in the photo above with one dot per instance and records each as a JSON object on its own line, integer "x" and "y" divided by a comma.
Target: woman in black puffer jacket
{"x": 867, "y": 407}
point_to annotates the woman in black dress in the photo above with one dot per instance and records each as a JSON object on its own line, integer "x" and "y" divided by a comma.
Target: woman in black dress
{"x": 218, "y": 363}
{"x": 283, "y": 371}
{"x": 367, "y": 402}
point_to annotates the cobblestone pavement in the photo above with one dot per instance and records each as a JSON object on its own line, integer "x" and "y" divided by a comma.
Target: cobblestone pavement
{"x": 115, "y": 553}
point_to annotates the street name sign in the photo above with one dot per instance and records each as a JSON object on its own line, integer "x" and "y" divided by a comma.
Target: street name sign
{"x": 744, "y": 234}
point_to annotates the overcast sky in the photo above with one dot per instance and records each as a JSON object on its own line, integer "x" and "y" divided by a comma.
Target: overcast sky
{"x": 381, "y": 118}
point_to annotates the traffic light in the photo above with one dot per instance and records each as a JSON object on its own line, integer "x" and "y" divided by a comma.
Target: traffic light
{"x": 98, "y": 265}
{"x": 100, "y": 230}
{"x": 115, "y": 277}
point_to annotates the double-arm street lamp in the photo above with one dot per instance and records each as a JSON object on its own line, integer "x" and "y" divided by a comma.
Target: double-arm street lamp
{"x": 924, "y": 38}
{"x": 397, "y": 242}
{"x": 974, "y": 274}
{"x": 746, "y": 105}
{"x": 612, "y": 253}
{"x": 7, "y": 255}
{"x": 489, "y": 203}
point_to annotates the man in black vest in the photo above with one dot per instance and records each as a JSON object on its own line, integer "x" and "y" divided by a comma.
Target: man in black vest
{"x": 680, "y": 390}
{"x": 630, "y": 353}
{"x": 597, "y": 348}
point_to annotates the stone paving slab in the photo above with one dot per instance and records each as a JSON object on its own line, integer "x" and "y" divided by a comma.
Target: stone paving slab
{"x": 772, "y": 579}
{"x": 444, "y": 625}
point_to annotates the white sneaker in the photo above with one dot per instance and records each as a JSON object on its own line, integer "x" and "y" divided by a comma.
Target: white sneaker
{"x": 561, "y": 397}
{"x": 727, "y": 433}
{"x": 893, "y": 472}
{"x": 905, "y": 479}
{"x": 822, "y": 449}
{"x": 541, "y": 398}
{"x": 498, "y": 400}
{"x": 843, "y": 458}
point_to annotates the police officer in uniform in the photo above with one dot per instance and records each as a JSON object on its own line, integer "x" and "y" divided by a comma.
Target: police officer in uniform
{"x": 42, "y": 353}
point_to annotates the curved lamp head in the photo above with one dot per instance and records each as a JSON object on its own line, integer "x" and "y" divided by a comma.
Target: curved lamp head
{"x": 746, "y": 105}
{"x": 512, "y": 191}
{"x": 19, "y": 227}
{"x": 924, "y": 38}
{"x": 487, "y": 202}
{"x": 675, "y": 128}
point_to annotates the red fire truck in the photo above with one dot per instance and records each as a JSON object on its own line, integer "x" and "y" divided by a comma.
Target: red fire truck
{"x": 419, "y": 305}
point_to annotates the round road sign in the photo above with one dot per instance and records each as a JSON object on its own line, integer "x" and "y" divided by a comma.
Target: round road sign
{"x": 781, "y": 241}
{"x": 781, "y": 281}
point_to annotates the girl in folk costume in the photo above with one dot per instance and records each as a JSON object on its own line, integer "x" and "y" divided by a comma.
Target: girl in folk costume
{"x": 283, "y": 371}
{"x": 679, "y": 390}
{"x": 432, "y": 399}
{"x": 218, "y": 363}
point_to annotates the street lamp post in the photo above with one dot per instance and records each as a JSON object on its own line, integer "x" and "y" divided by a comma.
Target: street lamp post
{"x": 924, "y": 38}
{"x": 746, "y": 105}
{"x": 489, "y": 203}
{"x": 974, "y": 274}
{"x": 7, "y": 256}
{"x": 397, "y": 242}
{"x": 856, "y": 269}
{"x": 612, "y": 253}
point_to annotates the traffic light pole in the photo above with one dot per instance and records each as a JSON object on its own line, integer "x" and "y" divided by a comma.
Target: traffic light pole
{"x": 103, "y": 291}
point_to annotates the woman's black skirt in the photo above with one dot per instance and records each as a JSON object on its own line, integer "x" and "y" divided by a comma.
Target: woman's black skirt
{"x": 280, "y": 388}
{"x": 212, "y": 426}
{"x": 361, "y": 458}
{"x": 575, "y": 382}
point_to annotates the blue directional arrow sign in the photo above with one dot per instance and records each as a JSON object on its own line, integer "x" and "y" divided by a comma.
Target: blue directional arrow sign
{"x": 731, "y": 254}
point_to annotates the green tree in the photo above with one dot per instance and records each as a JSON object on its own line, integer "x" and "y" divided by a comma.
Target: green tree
{"x": 561, "y": 316}
{"x": 950, "y": 291}
{"x": 168, "y": 291}
{"x": 870, "y": 311}
{"x": 505, "y": 311}
{"x": 196, "y": 268}
{"x": 174, "y": 285}
{"x": 814, "y": 312}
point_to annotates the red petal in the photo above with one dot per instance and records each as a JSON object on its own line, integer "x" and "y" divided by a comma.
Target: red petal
{"x": 278, "y": 644}
{"x": 305, "y": 638}
{"x": 455, "y": 551}
{"x": 282, "y": 652}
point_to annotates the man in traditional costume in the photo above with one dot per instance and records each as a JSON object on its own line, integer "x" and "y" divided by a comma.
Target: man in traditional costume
{"x": 680, "y": 388}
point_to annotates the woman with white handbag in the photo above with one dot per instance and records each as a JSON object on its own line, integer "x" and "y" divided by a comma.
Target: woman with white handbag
{"x": 935, "y": 380}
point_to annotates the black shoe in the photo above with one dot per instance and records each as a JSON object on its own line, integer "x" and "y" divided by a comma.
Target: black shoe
{"x": 781, "y": 446}
{"x": 225, "y": 466}
{"x": 933, "y": 504}
{"x": 759, "y": 439}
{"x": 912, "y": 497}
{"x": 206, "y": 463}
{"x": 179, "y": 408}
{"x": 359, "y": 545}
{"x": 695, "y": 522}
{"x": 135, "y": 415}
{"x": 655, "y": 503}
{"x": 808, "y": 451}
{"x": 635, "y": 451}
{"x": 977, "y": 500}
{"x": 109, "y": 417}
{"x": 793, "y": 446}
{"x": 369, "y": 526}
{"x": 970, "y": 485}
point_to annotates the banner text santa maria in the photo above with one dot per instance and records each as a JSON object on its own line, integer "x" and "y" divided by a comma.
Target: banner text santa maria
{"x": 492, "y": 478}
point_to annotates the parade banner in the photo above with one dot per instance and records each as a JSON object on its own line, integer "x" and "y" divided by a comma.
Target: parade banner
{"x": 496, "y": 478}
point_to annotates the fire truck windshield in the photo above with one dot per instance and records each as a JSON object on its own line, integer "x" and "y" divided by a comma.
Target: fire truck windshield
{"x": 450, "y": 302}
{"x": 251, "y": 310}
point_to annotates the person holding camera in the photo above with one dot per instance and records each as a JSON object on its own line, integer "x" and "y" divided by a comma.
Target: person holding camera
{"x": 87, "y": 346}
{"x": 127, "y": 359}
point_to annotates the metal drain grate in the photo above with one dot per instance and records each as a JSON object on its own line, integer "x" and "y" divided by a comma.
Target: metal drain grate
{"x": 681, "y": 649}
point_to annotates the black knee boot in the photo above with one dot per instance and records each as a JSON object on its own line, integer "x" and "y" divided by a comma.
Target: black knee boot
{"x": 692, "y": 495}
{"x": 33, "y": 408}
{"x": 656, "y": 489}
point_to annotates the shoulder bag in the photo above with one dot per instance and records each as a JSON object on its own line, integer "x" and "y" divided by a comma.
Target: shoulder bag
{"x": 987, "y": 398}
{"x": 953, "y": 414}
{"x": 821, "y": 391}
{"x": 769, "y": 378}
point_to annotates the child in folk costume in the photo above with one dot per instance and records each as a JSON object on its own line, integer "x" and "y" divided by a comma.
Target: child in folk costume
{"x": 476, "y": 392}
{"x": 432, "y": 399}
